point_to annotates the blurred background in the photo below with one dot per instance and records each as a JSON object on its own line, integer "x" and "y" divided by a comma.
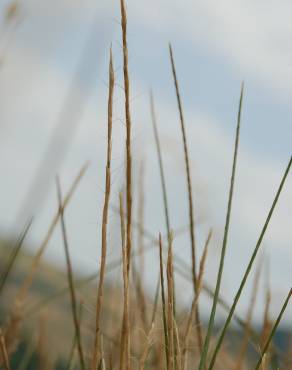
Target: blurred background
{"x": 53, "y": 118}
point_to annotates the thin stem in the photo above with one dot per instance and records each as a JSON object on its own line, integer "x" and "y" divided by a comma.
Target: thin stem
{"x": 225, "y": 239}
{"x": 163, "y": 304}
{"x": 70, "y": 277}
{"x": 273, "y": 330}
{"x": 190, "y": 198}
{"x": 14, "y": 254}
{"x": 128, "y": 132}
{"x": 96, "y": 352}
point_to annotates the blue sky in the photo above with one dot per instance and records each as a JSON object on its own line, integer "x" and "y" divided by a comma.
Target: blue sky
{"x": 216, "y": 46}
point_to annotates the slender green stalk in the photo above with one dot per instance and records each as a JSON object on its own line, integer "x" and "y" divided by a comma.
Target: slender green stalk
{"x": 225, "y": 239}
{"x": 245, "y": 341}
{"x": 190, "y": 199}
{"x": 273, "y": 330}
{"x": 70, "y": 278}
{"x": 248, "y": 269}
{"x": 14, "y": 254}
{"x": 160, "y": 162}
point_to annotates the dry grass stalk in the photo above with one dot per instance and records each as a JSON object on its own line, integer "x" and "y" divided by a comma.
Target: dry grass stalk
{"x": 4, "y": 354}
{"x": 166, "y": 339}
{"x": 13, "y": 326}
{"x": 96, "y": 352}
{"x": 16, "y": 314}
{"x": 170, "y": 317}
{"x": 147, "y": 347}
{"x": 71, "y": 362}
{"x": 178, "y": 354}
{"x": 37, "y": 258}
{"x": 70, "y": 277}
{"x": 247, "y": 330}
{"x": 128, "y": 137}
{"x": 195, "y": 300}
{"x": 125, "y": 335}
{"x": 190, "y": 199}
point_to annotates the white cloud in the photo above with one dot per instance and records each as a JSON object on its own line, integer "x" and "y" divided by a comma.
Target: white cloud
{"x": 253, "y": 36}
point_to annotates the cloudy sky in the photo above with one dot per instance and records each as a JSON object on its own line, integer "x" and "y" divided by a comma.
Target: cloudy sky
{"x": 53, "y": 93}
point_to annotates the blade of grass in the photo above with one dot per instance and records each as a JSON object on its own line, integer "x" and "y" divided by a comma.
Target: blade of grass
{"x": 155, "y": 303}
{"x": 190, "y": 197}
{"x": 225, "y": 239}
{"x": 37, "y": 258}
{"x": 70, "y": 277}
{"x": 249, "y": 267}
{"x": 247, "y": 330}
{"x": 160, "y": 162}
{"x": 96, "y": 352}
{"x": 14, "y": 254}
{"x": 268, "y": 342}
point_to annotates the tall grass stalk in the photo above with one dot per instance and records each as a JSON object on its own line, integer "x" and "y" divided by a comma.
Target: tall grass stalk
{"x": 70, "y": 278}
{"x": 160, "y": 162}
{"x": 247, "y": 330}
{"x": 225, "y": 239}
{"x": 96, "y": 352}
{"x": 190, "y": 198}
{"x": 14, "y": 254}
{"x": 128, "y": 132}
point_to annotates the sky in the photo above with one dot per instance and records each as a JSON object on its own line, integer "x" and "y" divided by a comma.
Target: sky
{"x": 53, "y": 93}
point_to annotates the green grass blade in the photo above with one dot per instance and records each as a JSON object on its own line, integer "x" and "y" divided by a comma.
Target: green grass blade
{"x": 223, "y": 251}
{"x": 14, "y": 254}
{"x": 274, "y": 330}
{"x": 248, "y": 269}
